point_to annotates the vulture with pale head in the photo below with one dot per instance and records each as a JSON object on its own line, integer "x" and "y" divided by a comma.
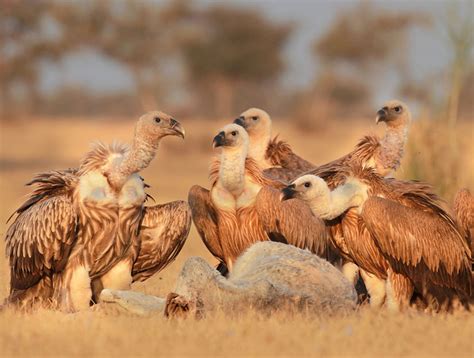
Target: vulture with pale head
{"x": 279, "y": 162}
{"x": 396, "y": 231}
{"x": 243, "y": 206}
{"x": 85, "y": 229}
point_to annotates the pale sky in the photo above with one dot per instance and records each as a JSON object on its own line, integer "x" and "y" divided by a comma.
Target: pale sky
{"x": 428, "y": 49}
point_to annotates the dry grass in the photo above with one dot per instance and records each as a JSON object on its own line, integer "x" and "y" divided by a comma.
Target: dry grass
{"x": 34, "y": 145}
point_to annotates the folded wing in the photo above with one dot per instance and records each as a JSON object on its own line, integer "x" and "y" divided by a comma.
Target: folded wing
{"x": 163, "y": 232}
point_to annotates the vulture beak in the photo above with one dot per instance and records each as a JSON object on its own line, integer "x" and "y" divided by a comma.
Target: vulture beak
{"x": 240, "y": 121}
{"x": 381, "y": 116}
{"x": 177, "y": 128}
{"x": 219, "y": 140}
{"x": 288, "y": 192}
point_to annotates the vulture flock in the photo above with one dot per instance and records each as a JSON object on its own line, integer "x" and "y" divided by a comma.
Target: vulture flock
{"x": 87, "y": 229}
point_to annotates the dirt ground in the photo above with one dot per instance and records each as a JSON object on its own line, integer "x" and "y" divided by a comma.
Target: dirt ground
{"x": 31, "y": 145}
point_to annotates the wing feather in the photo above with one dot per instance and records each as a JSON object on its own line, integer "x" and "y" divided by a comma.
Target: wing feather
{"x": 205, "y": 219}
{"x": 279, "y": 153}
{"x": 163, "y": 232}
{"x": 291, "y": 220}
{"x": 421, "y": 244}
{"x": 40, "y": 239}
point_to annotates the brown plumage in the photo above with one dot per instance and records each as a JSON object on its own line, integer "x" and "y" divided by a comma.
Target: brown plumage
{"x": 382, "y": 154}
{"x": 464, "y": 211}
{"x": 78, "y": 226}
{"x": 395, "y": 230}
{"x": 243, "y": 205}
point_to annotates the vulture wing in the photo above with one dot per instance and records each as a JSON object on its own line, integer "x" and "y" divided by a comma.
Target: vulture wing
{"x": 464, "y": 211}
{"x": 423, "y": 245}
{"x": 163, "y": 232}
{"x": 287, "y": 164}
{"x": 42, "y": 235}
{"x": 279, "y": 153}
{"x": 205, "y": 219}
{"x": 291, "y": 222}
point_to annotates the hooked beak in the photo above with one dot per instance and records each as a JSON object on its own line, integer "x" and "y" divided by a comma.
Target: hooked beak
{"x": 381, "y": 116}
{"x": 240, "y": 121}
{"x": 219, "y": 140}
{"x": 288, "y": 193}
{"x": 177, "y": 128}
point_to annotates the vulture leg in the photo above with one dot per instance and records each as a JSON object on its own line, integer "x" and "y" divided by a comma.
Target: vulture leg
{"x": 350, "y": 271}
{"x": 163, "y": 232}
{"x": 205, "y": 220}
{"x": 375, "y": 287}
{"x": 119, "y": 277}
{"x": 79, "y": 292}
{"x": 399, "y": 291}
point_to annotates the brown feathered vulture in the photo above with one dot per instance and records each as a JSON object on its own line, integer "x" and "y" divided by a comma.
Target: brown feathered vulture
{"x": 395, "y": 231}
{"x": 383, "y": 155}
{"x": 278, "y": 161}
{"x": 243, "y": 207}
{"x": 464, "y": 211}
{"x": 85, "y": 229}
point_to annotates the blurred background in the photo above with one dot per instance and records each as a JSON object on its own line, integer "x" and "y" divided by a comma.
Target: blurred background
{"x": 315, "y": 66}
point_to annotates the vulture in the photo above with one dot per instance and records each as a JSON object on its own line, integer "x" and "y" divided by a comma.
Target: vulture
{"x": 243, "y": 206}
{"x": 279, "y": 162}
{"x": 464, "y": 213}
{"x": 274, "y": 156}
{"x": 85, "y": 229}
{"x": 396, "y": 231}
{"x": 383, "y": 155}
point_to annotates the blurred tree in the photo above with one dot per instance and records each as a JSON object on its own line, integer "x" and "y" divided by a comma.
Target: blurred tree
{"x": 26, "y": 41}
{"x": 460, "y": 28}
{"x": 360, "y": 44}
{"x": 137, "y": 34}
{"x": 235, "y": 48}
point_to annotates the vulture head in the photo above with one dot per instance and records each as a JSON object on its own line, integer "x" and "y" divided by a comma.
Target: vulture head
{"x": 323, "y": 202}
{"x": 394, "y": 113}
{"x": 256, "y": 122}
{"x": 232, "y": 136}
{"x": 153, "y": 126}
{"x": 307, "y": 188}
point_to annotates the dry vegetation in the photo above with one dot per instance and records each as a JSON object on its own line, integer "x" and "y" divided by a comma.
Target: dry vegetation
{"x": 32, "y": 145}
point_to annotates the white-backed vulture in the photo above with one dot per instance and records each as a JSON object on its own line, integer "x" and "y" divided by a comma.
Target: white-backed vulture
{"x": 393, "y": 230}
{"x": 243, "y": 206}
{"x": 85, "y": 229}
{"x": 279, "y": 162}
{"x": 267, "y": 277}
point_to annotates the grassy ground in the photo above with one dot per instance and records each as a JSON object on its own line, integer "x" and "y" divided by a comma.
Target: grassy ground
{"x": 37, "y": 144}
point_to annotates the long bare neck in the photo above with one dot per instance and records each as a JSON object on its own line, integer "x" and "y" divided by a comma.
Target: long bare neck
{"x": 137, "y": 158}
{"x": 393, "y": 146}
{"x": 232, "y": 169}
{"x": 334, "y": 203}
{"x": 258, "y": 147}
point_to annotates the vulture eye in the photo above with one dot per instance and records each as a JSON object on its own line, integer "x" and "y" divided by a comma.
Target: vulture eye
{"x": 255, "y": 118}
{"x": 157, "y": 119}
{"x": 234, "y": 133}
{"x": 307, "y": 184}
{"x": 398, "y": 109}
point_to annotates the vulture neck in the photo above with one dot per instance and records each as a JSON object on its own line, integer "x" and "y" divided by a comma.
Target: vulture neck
{"x": 137, "y": 158}
{"x": 393, "y": 144}
{"x": 232, "y": 169}
{"x": 258, "y": 148}
{"x": 334, "y": 203}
